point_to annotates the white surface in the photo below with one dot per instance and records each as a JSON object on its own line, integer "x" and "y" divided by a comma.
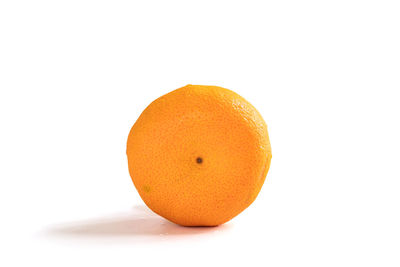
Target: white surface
{"x": 75, "y": 75}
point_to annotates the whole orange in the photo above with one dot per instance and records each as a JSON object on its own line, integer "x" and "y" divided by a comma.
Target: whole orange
{"x": 199, "y": 155}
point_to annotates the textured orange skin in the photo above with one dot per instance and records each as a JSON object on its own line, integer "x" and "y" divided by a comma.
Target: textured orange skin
{"x": 209, "y": 122}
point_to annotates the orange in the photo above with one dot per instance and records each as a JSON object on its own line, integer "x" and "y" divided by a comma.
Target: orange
{"x": 199, "y": 155}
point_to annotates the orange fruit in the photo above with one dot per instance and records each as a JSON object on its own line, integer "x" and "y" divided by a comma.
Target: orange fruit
{"x": 199, "y": 155}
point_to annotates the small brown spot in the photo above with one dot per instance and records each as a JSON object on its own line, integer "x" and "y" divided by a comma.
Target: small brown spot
{"x": 199, "y": 160}
{"x": 146, "y": 188}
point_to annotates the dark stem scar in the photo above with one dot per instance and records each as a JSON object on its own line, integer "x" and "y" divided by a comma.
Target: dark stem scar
{"x": 199, "y": 160}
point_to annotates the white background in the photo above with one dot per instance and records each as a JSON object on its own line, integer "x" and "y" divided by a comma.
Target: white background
{"x": 75, "y": 75}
